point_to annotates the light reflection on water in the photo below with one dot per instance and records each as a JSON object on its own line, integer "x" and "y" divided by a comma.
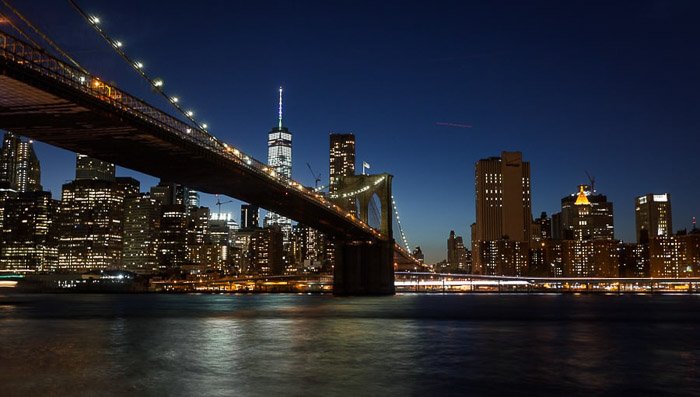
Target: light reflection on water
{"x": 221, "y": 345}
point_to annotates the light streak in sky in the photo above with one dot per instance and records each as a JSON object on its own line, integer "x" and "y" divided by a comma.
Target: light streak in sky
{"x": 455, "y": 125}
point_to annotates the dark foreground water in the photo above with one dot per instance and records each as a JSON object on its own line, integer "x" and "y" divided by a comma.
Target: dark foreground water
{"x": 299, "y": 345}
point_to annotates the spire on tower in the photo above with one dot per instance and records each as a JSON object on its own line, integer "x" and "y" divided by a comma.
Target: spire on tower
{"x": 280, "y": 110}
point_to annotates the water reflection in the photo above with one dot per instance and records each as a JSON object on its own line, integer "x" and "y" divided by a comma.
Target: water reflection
{"x": 320, "y": 345}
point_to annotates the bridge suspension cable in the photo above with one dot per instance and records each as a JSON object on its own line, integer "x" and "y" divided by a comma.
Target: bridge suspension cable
{"x": 41, "y": 34}
{"x": 398, "y": 222}
{"x": 137, "y": 66}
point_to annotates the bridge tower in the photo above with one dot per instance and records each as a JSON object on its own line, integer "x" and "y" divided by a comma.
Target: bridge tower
{"x": 365, "y": 267}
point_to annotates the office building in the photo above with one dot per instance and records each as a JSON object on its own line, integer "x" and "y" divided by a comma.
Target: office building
{"x": 250, "y": 216}
{"x": 19, "y": 166}
{"x": 140, "y": 234}
{"x": 342, "y": 162}
{"x": 503, "y": 212}
{"x": 586, "y": 215}
{"x": 653, "y": 216}
{"x": 29, "y": 233}
{"x": 88, "y": 168}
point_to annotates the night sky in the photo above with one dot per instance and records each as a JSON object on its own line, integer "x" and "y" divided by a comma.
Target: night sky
{"x": 605, "y": 87}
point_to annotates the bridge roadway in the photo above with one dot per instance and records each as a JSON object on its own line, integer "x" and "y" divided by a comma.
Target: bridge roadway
{"x": 53, "y": 102}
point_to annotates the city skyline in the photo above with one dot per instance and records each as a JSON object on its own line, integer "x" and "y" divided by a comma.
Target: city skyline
{"x": 600, "y": 124}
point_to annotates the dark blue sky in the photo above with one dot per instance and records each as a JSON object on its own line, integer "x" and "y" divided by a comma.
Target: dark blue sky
{"x": 605, "y": 87}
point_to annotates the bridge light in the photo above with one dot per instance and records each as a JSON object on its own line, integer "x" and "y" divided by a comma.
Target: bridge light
{"x": 158, "y": 83}
{"x": 118, "y": 44}
{"x": 204, "y": 126}
{"x": 174, "y": 99}
{"x": 189, "y": 113}
{"x": 189, "y": 130}
{"x": 94, "y": 19}
{"x": 138, "y": 65}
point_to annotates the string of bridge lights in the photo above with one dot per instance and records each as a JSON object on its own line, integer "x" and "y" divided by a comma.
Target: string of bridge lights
{"x": 138, "y": 66}
{"x": 398, "y": 221}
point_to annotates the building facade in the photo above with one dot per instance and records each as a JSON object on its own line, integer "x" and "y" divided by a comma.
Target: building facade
{"x": 652, "y": 214}
{"x": 503, "y": 213}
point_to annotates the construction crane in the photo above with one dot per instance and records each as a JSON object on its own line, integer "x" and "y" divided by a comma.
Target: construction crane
{"x": 592, "y": 180}
{"x": 317, "y": 178}
{"x": 219, "y": 203}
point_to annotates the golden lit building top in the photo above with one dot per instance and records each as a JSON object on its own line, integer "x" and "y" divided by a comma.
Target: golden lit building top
{"x": 582, "y": 199}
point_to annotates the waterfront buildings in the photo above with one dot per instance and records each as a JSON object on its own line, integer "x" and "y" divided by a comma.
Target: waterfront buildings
{"x": 91, "y": 217}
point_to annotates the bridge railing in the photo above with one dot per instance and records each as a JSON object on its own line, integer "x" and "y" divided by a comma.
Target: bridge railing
{"x": 46, "y": 64}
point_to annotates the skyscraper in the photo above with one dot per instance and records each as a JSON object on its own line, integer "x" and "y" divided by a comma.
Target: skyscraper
{"x": 279, "y": 158}
{"x": 19, "y": 166}
{"x": 28, "y": 234}
{"x": 91, "y": 217}
{"x": 653, "y": 216}
{"x": 342, "y": 162}
{"x": 503, "y": 209}
{"x": 586, "y": 215}
{"x": 140, "y": 233}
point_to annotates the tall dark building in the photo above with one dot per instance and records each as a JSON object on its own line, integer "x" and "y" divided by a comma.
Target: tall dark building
{"x": 19, "y": 166}
{"x": 544, "y": 227}
{"x": 249, "y": 216}
{"x": 172, "y": 236}
{"x": 503, "y": 212}
{"x": 167, "y": 193}
{"x": 342, "y": 161}
{"x": 653, "y": 216}
{"x": 140, "y": 234}
{"x": 587, "y": 215}
{"x": 457, "y": 253}
{"x": 88, "y": 168}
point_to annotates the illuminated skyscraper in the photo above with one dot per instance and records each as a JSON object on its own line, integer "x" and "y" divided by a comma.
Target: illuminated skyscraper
{"x": 19, "y": 166}
{"x": 586, "y": 215}
{"x": 90, "y": 225}
{"x": 279, "y": 158}
{"x": 342, "y": 161}
{"x": 91, "y": 217}
{"x": 29, "y": 234}
{"x": 653, "y": 216}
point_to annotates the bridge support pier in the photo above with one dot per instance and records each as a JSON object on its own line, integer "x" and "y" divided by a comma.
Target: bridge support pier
{"x": 363, "y": 268}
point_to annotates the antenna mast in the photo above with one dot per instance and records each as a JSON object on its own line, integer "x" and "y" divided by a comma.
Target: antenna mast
{"x": 280, "y": 111}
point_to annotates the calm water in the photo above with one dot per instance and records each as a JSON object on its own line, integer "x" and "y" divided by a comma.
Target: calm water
{"x": 274, "y": 345}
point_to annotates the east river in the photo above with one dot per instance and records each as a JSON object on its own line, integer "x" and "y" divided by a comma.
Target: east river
{"x": 309, "y": 345}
